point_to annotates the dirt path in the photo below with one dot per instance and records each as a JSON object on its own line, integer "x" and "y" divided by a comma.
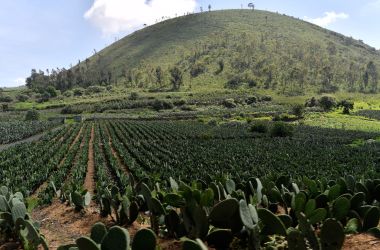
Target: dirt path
{"x": 29, "y": 139}
{"x": 45, "y": 184}
{"x": 89, "y": 182}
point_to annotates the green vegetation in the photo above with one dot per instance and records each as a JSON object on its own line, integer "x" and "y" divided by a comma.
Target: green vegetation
{"x": 232, "y": 49}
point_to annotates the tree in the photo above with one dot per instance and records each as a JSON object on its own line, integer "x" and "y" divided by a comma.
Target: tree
{"x": 372, "y": 75}
{"x": 251, "y": 5}
{"x": 209, "y": 7}
{"x": 176, "y": 78}
{"x": 159, "y": 76}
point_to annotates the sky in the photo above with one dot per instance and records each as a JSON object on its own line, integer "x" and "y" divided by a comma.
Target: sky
{"x": 45, "y": 34}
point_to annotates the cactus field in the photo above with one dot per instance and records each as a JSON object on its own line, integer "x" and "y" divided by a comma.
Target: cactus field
{"x": 193, "y": 185}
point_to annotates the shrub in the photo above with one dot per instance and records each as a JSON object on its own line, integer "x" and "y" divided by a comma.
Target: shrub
{"x": 133, "y": 96}
{"x": 259, "y": 127}
{"x": 298, "y": 110}
{"x": 32, "y": 115}
{"x": 78, "y": 91}
{"x": 197, "y": 70}
{"x": 281, "y": 129}
{"x": 346, "y": 105}
{"x": 312, "y": 102}
{"x": 266, "y": 98}
{"x": 68, "y": 93}
{"x": 251, "y": 100}
{"x": 212, "y": 122}
{"x": 52, "y": 91}
{"x": 161, "y": 105}
{"x": 22, "y": 98}
{"x": 235, "y": 82}
{"x": 94, "y": 90}
{"x": 327, "y": 103}
{"x": 179, "y": 103}
{"x": 5, "y": 98}
{"x": 187, "y": 108}
{"x": 229, "y": 103}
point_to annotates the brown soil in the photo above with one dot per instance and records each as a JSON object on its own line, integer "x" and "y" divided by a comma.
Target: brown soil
{"x": 361, "y": 241}
{"x": 61, "y": 224}
{"x": 89, "y": 183}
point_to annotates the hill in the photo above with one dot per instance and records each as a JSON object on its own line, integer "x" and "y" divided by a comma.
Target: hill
{"x": 228, "y": 49}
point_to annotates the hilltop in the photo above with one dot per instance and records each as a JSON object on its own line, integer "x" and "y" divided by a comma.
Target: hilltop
{"x": 228, "y": 49}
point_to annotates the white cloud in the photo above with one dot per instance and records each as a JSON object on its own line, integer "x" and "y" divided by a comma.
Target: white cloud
{"x": 328, "y": 18}
{"x": 113, "y": 16}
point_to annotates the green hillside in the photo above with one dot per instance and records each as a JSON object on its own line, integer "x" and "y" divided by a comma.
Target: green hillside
{"x": 229, "y": 49}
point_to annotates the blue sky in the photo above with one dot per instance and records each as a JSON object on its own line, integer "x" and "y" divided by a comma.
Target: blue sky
{"x": 45, "y": 34}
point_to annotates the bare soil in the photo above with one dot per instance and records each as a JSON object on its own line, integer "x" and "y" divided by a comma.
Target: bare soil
{"x": 89, "y": 182}
{"x": 360, "y": 242}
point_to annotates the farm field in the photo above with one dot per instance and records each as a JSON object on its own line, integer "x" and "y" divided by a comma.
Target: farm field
{"x": 187, "y": 168}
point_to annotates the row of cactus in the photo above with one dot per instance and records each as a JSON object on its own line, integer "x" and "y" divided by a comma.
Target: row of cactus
{"x": 114, "y": 238}
{"x": 15, "y": 222}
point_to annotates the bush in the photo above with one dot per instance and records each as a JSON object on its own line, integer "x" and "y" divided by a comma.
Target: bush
{"x": 5, "y": 98}
{"x": 133, "y": 96}
{"x": 235, "y": 82}
{"x": 68, "y": 93}
{"x": 197, "y": 70}
{"x": 32, "y": 115}
{"x": 94, "y": 90}
{"x": 298, "y": 110}
{"x": 259, "y": 127}
{"x": 161, "y": 105}
{"x": 78, "y": 91}
{"x": 281, "y": 129}
{"x": 347, "y": 106}
{"x": 327, "y": 103}
{"x": 212, "y": 122}
{"x": 22, "y": 98}
{"x": 229, "y": 103}
{"x": 251, "y": 100}
{"x": 179, "y": 103}
{"x": 266, "y": 98}
{"x": 312, "y": 102}
{"x": 52, "y": 91}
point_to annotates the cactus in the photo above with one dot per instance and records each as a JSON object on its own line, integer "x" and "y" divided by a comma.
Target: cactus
{"x": 145, "y": 239}
{"x": 18, "y": 211}
{"x": 80, "y": 199}
{"x": 172, "y": 223}
{"x": 353, "y": 226}
{"x": 174, "y": 200}
{"x": 245, "y": 215}
{"x": 173, "y": 184}
{"x": 219, "y": 239}
{"x": 195, "y": 221}
{"x": 272, "y": 224}
{"x": 310, "y": 206}
{"x": 322, "y": 201}
{"x": 117, "y": 238}
{"x": 357, "y": 200}
{"x": 308, "y": 231}
{"x": 334, "y": 192}
{"x": 332, "y": 235}
{"x": 193, "y": 245}
{"x": 4, "y": 206}
{"x": 318, "y": 215}
{"x": 230, "y": 186}
{"x": 371, "y": 218}
{"x": 295, "y": 240}
{"x": 207, "y": 198}
{"x": 375, "y": 231}
{"x": 85, "y": 243}
{"x": 286, "y": 220}
{"x": 340, "y": 208}
{"x": 98, "y": 232}
{"x": 299, "y": 202}
{"x": 225, "y": 215}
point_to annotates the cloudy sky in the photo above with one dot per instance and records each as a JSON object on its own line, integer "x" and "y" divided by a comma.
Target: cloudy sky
{"x": 45, "y": 34}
